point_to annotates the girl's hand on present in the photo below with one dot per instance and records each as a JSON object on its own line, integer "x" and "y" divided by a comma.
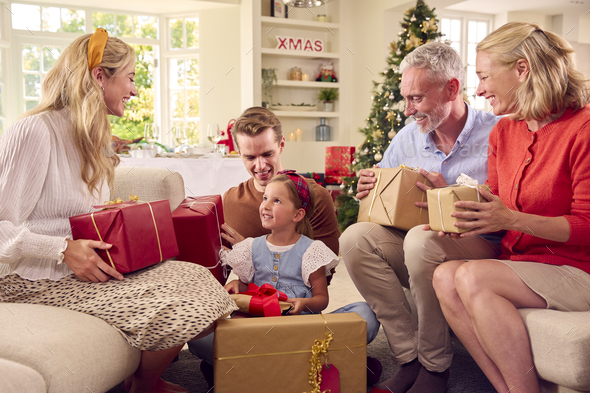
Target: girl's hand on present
{"x": 235, "y": 286}
{"x": 488, "y": 217}
{"x": 231, "y": 235}
{"x": 85, "y": 262}
{"x": 437, "y": 181}
{"x": 299, "y": 305}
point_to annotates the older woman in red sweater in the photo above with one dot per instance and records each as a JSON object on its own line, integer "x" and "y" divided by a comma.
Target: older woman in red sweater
{"x": 539, "y": 174}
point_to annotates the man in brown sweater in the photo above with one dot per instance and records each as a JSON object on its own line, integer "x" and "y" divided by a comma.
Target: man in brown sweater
{"x": 260, "y": 141}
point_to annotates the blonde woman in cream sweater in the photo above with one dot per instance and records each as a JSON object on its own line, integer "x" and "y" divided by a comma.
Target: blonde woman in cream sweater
{"x": 57, "y": 162}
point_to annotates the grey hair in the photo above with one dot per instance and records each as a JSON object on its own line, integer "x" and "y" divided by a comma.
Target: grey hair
{"x": 442, "y": 62}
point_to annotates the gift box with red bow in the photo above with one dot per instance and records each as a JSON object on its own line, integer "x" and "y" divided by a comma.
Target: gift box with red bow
{"x": 263, "y": 301}
{"x": 339, "y": 161}
{"x": 197, "y": 223}
{"x": 142, "y": 234}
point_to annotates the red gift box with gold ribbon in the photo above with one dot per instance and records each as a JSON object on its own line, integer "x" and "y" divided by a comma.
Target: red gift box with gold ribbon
{"x": 339, "y": 161}
{"x": 142, "y": 234}
{"x": 197, "y": 223}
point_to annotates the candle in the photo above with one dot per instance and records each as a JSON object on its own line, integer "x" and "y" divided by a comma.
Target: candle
{"x": 292, "y": 137}
{"x": 321, "y": 18}
{"x": 305, "y": 78}
{"x": 299, "y": 134}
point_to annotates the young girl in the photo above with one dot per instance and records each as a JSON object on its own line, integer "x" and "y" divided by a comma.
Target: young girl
{"x": 288, "y": 259}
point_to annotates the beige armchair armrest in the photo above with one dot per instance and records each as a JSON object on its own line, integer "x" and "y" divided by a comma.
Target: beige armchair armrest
{"x": 149, "y": 184}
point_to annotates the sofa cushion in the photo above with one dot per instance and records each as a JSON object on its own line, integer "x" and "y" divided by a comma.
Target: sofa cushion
{"x": 149, "y": 184}
{"x": 72, "y": 351}
{"x": 18, "y": 378}
{"x": 560, "y": 342}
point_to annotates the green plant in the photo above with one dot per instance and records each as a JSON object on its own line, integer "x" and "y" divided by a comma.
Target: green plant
{"x": 328, "y": 95}
{"x": 269, "y": 76}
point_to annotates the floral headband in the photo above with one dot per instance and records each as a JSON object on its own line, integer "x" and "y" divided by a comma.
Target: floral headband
{"x": 300, "y": 185}
{"x": 96, "y": 47}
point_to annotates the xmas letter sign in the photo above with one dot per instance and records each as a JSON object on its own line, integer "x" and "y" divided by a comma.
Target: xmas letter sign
{"x": 300, "y": 44}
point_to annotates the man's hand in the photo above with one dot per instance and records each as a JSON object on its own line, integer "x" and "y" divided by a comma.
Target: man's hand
{"x": 231, "y": 235}
{"x": 85, "y": 262}
{"x": 437, "y": 181}
{"x": 366, "y": 182}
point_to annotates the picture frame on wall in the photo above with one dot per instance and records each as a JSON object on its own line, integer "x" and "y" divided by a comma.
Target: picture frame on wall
{"x": 278, "y": 9}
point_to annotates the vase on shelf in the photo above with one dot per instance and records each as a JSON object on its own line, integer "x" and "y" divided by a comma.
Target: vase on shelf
{"x": 328, "y": 106}
{"x": 323, "y": 131}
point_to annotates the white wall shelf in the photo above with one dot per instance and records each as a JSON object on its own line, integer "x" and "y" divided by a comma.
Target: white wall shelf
{"x": 299, "y": 54}
{"x": 306, "y": 114}
{"x": 260, "y": 34}
{"x": 314, "y": 84}
{"x": 304, "y": 24}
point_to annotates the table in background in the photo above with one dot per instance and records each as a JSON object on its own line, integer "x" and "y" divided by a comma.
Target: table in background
{"x": 202, "y": 176}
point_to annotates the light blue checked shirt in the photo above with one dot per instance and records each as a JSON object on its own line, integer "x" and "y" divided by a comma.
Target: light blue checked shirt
{"x": 469, "y": 155}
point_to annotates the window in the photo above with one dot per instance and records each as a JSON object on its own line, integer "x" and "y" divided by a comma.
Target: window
{"x": 184, "y": 79}
{"x": 51, "y": 19}
{"x": 184, "y": 33}
{"x": 463, "y": 33}
{"x": 38, "y": 53}
{"x": 36, "y": 62}
{"x": 126, "y": 26}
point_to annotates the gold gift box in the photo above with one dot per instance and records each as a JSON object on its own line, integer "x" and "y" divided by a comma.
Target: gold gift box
{"x": 392, "y": 201}
{"x": 272, "y": 354}
{"x": 441, "y": 203}
{"x": 243, "y": 303}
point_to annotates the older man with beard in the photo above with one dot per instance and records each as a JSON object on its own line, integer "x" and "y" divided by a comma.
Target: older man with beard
{"x": 448, "y": 138}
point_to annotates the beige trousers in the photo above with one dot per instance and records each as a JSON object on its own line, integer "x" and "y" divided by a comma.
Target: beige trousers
{"x": 383, "y": 260}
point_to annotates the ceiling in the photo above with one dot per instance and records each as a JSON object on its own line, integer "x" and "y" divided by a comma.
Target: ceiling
{"x": 150, "y": 6}
{"x": 547, "y": 7}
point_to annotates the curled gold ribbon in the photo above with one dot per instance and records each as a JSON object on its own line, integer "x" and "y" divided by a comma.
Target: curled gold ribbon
{"x": 318, "y": 348}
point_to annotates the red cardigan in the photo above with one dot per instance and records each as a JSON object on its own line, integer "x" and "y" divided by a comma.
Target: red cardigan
{"x": 546, "y": 173}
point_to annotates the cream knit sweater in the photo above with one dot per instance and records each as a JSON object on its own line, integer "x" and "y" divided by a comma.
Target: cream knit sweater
{"x": 40, "y": 187}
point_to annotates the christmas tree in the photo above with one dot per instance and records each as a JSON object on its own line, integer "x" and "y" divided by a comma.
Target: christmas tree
{"x": 387, "y": 114}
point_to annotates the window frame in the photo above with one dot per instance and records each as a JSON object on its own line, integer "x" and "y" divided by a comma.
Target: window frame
{"x": 177, "y": 53}
{"x": 465, "y": 18}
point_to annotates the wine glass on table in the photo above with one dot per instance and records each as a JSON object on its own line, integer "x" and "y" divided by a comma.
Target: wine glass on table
{"x": 214, "y": 135}
{"x": 180, "y": 139}
{"x": 152, "y": 135}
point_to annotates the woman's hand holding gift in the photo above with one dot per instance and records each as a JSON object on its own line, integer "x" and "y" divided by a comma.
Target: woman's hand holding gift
{"x": 85, "y": 262}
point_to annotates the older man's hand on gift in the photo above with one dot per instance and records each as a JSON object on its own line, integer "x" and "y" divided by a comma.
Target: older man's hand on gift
{"x": 231, "y": 235}
{"x": 437, "y": 181}
{"x": 85, "y": 262}
{"x": 366, "y": 182}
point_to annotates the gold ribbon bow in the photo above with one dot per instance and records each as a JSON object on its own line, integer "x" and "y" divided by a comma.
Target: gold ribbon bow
{"x": 132, "y": 198}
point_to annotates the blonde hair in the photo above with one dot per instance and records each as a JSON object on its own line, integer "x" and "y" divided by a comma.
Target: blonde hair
{"x": 553, "y": 83}
{"x": 303, "y": 227}
{"x": 254, "y": 121}
{"x": 70, "y": 84}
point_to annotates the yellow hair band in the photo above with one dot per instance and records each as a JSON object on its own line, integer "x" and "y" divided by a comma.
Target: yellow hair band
{"x": 96, "y": 47}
